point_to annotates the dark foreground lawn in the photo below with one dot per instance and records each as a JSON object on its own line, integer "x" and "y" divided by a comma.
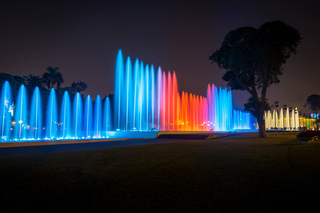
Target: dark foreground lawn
{"x": 232, "y": 174}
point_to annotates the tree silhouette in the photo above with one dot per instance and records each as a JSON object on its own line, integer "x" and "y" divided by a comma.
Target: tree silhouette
{"x": 33, "y": 81}
{"x": 52, "y": 77}
{"x": 79, "y": 86}
{"x": 253, "y": 60}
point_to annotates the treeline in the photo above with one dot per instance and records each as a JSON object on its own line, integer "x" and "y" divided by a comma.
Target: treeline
{"x": 50, "y": 79}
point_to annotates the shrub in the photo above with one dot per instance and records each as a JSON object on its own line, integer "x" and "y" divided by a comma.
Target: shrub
{"x": 309, "y": 134}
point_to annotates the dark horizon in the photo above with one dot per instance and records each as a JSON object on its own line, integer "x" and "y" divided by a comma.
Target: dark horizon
{"x": 83, "y": 39}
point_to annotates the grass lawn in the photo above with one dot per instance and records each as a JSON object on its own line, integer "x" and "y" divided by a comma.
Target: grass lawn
{"x": 237, "y": 173}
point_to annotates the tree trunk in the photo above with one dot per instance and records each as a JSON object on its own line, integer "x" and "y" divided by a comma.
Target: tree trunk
{"x": 261, "y": 122}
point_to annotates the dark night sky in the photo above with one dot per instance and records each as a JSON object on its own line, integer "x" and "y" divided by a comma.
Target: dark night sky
{"x": 83, "y": 39}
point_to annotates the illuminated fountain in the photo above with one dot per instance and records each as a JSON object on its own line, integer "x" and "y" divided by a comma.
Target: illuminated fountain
{"x": 75, "y": 121}
{"x": 238, "y": 117}
{"x": 156, "y": 102}
{"x": 145, "y": 100}
{"x": 283, "y": 121}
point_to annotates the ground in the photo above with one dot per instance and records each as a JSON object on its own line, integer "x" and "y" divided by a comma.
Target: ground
{"x": 235, "y": 173}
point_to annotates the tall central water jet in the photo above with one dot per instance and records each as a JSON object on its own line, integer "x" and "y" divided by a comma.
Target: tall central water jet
{"x": 118, "y": 90}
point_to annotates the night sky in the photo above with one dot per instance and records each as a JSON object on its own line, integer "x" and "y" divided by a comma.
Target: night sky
{"x": 83, "y": 39}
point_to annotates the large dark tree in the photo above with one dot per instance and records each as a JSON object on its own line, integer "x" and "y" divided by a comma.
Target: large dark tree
{"x": 253, "y": 60}
{"x": 52, "y": 77}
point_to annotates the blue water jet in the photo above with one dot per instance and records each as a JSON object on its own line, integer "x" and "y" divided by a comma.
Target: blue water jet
{"x": 65, "y": 116}
{"x": 77, "y": 116}
{"x": 6, "y": 109}
{"x": 118, "y": 90}
{"x": 87, "y": 127}
{"x": 153, "y": 93}
{"x": 97, "y": 117}
{"x": 136, "y": 95}
{"x": 107, "y": 120}
{"x": 52, "y": 116}
{"x": 141, "y": 96}
{"x": 20, "y": 128}
{"x": 36, "y": 115}
{"x": 128, "y": 96}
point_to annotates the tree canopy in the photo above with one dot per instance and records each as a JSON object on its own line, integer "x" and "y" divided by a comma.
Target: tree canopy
{"x": 253, "y": 60}
{"x": 52, "y": 77}
{"x": 313, "y": 102}
{"x": 79, "y": 86}
{"x": 33, "y": 81}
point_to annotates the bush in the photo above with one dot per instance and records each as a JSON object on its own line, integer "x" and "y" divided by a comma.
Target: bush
{"x": 309, "y": 134}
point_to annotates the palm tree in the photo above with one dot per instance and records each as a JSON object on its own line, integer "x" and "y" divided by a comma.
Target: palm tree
{"x": 33, "y": 81}
{"x": 52, "y": 77}
{"x": 79, "y": 86}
